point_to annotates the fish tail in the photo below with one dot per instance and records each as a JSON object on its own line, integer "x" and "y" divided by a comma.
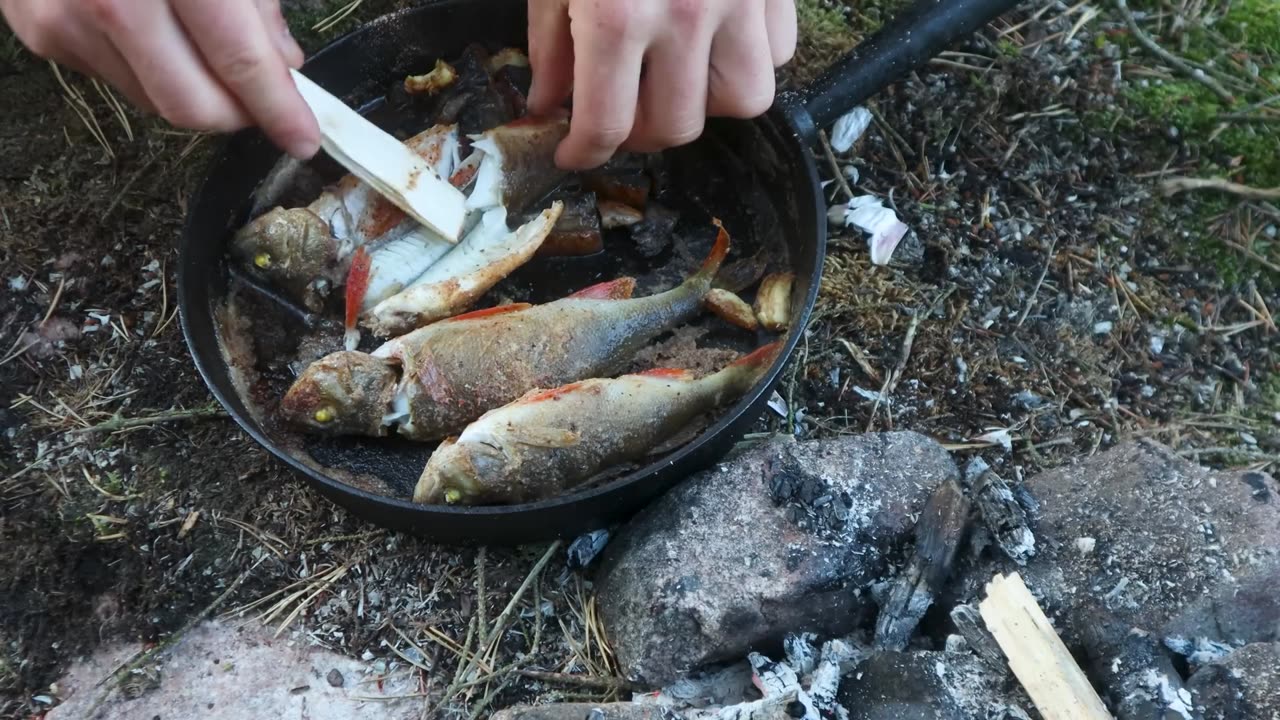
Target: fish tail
{"x": 760, "y": 358}
{"x": 737, "y": 377}
{"x": 706, "y": 275}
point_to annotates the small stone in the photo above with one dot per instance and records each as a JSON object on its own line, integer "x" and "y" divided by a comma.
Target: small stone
{"x": 1085, "y": 545}
{"x": 1102, "y": 328}
{"x": 335, "y": 678}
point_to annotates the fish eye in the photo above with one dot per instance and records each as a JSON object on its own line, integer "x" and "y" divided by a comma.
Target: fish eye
{"x": 452, "y": 495}
{"x": 325, "y": 415}
{"x": 262, "y": 260}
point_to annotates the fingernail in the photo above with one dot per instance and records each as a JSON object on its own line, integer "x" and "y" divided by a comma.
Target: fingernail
{"x": 302, "y": 148}
{"x": 292, "y": 50}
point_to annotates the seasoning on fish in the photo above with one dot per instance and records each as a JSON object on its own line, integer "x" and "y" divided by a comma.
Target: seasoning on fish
{"x": 450, "y": 373}
{"x": 773, "y": 301}
{"x": 440, "y": 77}
{"x": 614, "y": 214}
{"x": 518, "y": 166}
{"x": 577, "y": 232}
{"x": 732, "y": 309}
{"x": 487, "y": 254}
{"x": 549, "y": 441}
{"x": 307, "y": 251}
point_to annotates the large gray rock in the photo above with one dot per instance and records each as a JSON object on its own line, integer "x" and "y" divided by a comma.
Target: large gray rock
{"x": 1136, "y": 546}
{"x": 1244, "y": 685}
{"x": 1173, "y": 542}
{"x": 781, "y": 538}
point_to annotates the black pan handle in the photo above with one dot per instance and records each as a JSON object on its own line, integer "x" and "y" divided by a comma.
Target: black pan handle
{"x": 904, "y": 44}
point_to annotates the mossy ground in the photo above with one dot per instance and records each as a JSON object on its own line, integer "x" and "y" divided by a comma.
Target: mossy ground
{"x": 1241, "y": 48}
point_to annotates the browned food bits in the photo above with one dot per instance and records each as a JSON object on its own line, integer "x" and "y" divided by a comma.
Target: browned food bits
{"x": 631, "y": 189}
{"x": 731, "y": 308}
{"x": 433, "y": 82}
{"x": 773, "y": 301}
{"x": 615, "y": 215}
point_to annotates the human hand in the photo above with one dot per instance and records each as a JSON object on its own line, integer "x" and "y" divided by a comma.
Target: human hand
{"x": 646, "y": 75}
{"x": 201, "y": 65}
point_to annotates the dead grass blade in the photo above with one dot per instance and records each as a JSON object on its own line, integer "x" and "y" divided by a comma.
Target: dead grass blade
{"x": 75, "y": 100}
{"x": 116, "y": 108}
{"x": 341, "y": 14}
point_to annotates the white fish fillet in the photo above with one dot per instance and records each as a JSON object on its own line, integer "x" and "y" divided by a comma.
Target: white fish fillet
{"x": 396, "y": 264}
{"x": 358, "y": 214}
{"x": 487, "y": 191}
{"x": 485, "y": 256}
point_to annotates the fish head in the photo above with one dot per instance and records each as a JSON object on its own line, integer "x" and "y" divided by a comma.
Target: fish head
{"x": 293, "y": 249}
{"x": 461, "y": 473}
{"x": 343, "y": 393}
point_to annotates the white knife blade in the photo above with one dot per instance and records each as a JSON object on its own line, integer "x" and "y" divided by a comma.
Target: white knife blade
{"x": 377, "y": 158}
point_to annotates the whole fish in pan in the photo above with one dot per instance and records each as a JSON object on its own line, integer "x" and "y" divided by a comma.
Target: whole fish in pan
{"x": 549, "y": 441}
{"x": 431, "y": 382}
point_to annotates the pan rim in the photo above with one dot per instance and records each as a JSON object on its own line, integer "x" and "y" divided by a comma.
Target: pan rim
{"x": 209, "y": 367}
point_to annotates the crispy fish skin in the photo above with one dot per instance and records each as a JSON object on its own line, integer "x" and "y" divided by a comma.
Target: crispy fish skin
{"x": 453, "y": 371}
{"x": 455, "y": 281}
{"x": 518, "y": 166}
{"x": 732, "y": 309}
{"x": 773, "y": 301}
{"x": 548, "y": 441}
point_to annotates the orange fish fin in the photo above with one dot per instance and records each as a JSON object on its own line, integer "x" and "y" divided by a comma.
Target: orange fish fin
{"x": 760, "y": 357}
{"x": 432, "y": 379}
{"x": 490, "y": 312}
{"x": 719, "y": 251}
{"x": 620, "y": 289}
{"x": 552, "y": 394}
{"x": 357, "y": 284}
{"x": 667, "y": 373}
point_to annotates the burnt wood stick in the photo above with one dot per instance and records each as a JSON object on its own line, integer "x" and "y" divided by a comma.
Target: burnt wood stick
{"x": 1004, "y": 517}
{"x": 968, "y": 622}
{"x": 938, "y": 534}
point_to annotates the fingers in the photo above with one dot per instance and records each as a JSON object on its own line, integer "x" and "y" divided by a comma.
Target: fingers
{"x": 148, "y": 36}
{"x": 278, "y": 28}
{"x": 673, "y": 93}
{"x": 780, "y": 19}
{"x": 741, "y": 83}
{"x": 609, "y": 48}
{"x": 550, "y": 55}
{"x": 67, "y": 39}
{"x": 106, "y": 63}
{"x": 244, "y": 56}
